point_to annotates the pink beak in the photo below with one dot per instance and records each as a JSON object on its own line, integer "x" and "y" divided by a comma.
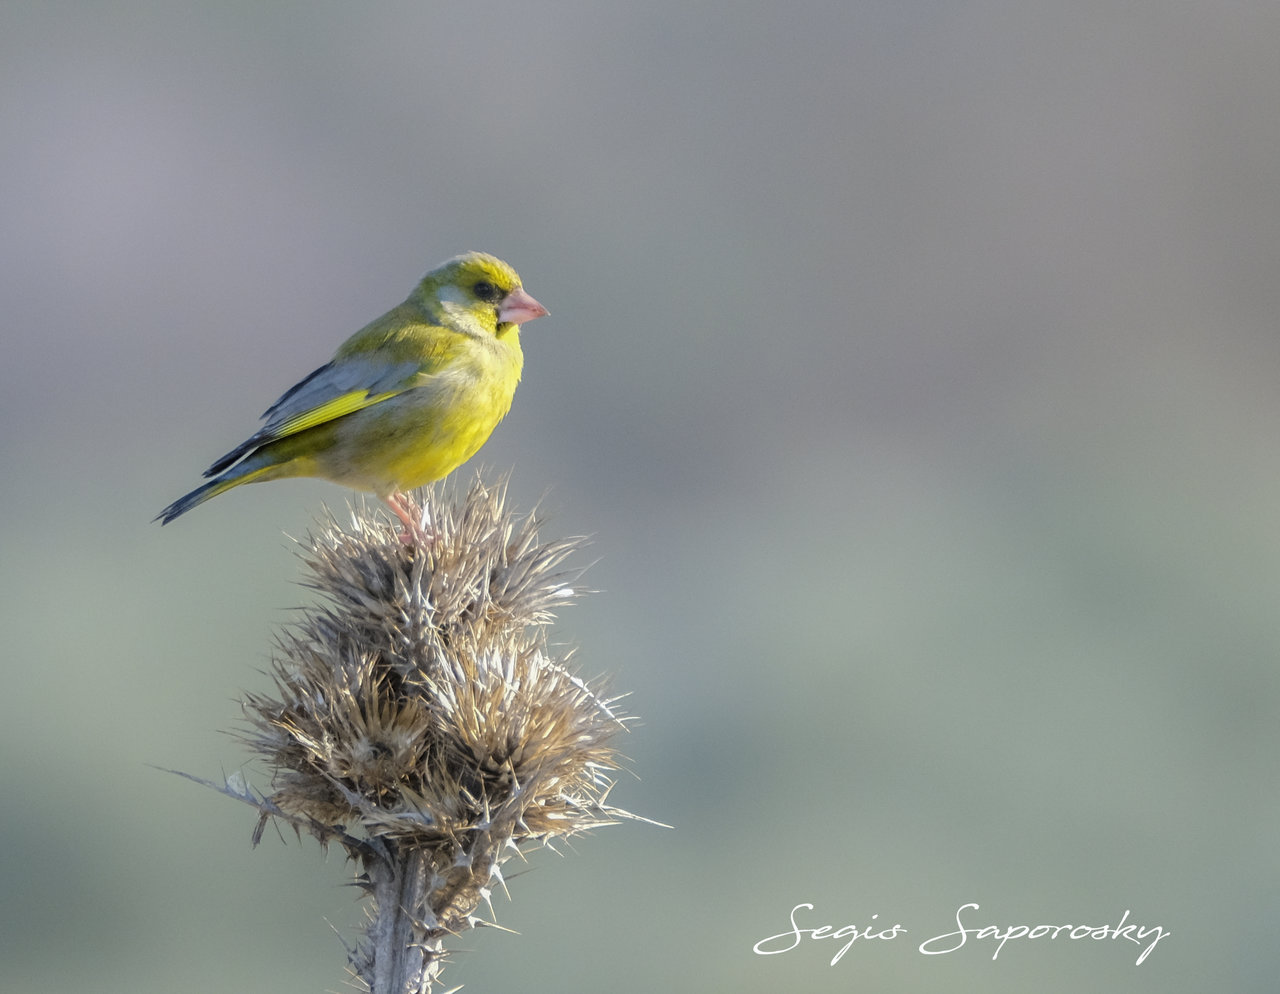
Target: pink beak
{"x": 518, "y": 307}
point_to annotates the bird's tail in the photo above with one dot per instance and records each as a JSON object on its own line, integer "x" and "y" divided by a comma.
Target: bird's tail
{"x": 211, "y": 489}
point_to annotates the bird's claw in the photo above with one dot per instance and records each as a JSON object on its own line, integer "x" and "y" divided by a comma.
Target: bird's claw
{"x": 417, "y": 524}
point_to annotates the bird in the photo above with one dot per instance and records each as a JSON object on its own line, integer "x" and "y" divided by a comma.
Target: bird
{"x": 404, "y": 401}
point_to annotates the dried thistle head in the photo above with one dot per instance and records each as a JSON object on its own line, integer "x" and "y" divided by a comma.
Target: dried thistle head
{"x": 420, "y": 718}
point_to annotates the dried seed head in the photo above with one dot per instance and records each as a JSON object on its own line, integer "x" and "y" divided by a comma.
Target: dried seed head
{"x": 420, "y": 718}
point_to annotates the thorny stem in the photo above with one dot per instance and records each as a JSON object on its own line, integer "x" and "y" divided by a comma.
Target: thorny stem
{"x": 401, "y": 962}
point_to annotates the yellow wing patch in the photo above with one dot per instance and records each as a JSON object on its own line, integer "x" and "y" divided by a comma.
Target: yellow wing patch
{"x": 331, "y": 410}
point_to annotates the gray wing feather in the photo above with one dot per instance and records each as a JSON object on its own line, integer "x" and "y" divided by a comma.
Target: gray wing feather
{"x": 317, "y": 389}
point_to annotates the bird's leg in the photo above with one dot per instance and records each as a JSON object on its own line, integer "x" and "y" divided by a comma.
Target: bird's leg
{"x": 417, "y": 524}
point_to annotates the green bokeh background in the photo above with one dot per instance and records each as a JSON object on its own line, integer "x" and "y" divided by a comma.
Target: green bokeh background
{"x": 914, "y": 366}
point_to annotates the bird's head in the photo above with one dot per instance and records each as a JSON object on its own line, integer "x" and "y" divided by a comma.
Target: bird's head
{"x": 477, "y": 294}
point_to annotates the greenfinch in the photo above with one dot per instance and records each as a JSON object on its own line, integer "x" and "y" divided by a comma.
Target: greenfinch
{"x": 404, "y": 401}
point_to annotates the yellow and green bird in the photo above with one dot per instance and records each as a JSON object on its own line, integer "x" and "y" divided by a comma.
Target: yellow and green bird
{"x": 404, "y": 401}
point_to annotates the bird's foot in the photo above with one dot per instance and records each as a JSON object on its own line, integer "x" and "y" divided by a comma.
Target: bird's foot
{"x": 417, "y": 523}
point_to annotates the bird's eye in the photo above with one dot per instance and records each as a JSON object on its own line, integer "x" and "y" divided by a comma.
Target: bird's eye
{"x": 486, "y": 291}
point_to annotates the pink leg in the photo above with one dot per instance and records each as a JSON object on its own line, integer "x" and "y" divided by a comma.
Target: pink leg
{"x": 417, "y": 529}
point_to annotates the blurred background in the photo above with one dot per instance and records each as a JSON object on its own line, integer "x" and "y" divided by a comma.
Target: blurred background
{"x": 914, "y": 367}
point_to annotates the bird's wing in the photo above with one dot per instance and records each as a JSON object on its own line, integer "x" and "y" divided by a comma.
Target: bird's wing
{"x": 335, "y": 389}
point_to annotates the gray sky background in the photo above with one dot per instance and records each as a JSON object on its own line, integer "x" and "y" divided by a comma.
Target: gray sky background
{"x": 913, "y": 365}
